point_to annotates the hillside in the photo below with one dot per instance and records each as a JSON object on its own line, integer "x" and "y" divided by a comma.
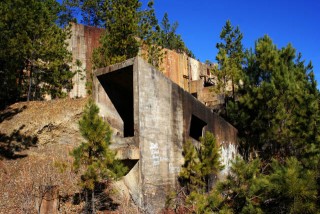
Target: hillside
{"x": 35, "y": 141}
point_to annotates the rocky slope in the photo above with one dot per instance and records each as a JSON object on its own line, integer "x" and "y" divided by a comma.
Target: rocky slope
{"x": 35, "y": 141}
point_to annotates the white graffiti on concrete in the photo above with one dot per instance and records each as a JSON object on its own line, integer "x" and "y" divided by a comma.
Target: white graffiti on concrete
{"x": 155, "y": 154}
{"x": 228, "y": 153}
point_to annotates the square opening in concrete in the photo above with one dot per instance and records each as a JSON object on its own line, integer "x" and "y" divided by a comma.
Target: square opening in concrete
{"x": 208, "y": 82}
{"x": 119, "y": 88}
{"x": 196, "y": 127}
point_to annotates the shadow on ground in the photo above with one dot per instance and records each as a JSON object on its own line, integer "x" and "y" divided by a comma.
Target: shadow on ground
{"x": 103, "y": 201}
{"x": 11, "y": 145}
{"x": 9, "y": 113}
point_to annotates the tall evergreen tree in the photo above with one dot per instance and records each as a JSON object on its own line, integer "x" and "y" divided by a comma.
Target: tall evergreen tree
{"x": 276, "y": 116}
{"x": 119, "y": 41}
{"x": 230, "y": 58}
{"x": 33, "y": 57}
{"x": 149, "y": 33}
{"x": 170, "y": 39}
{"x": 272, "y": 114}
{"x": 92, "y": 11}
{"x": 279, "y": 187}
{"x": 200, "y": 165}
{"x": 94, "y": 156}
{"x": 244, "y": 188}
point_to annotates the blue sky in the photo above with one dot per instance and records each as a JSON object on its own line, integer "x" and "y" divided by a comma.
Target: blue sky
{"x": 285, "y": 21}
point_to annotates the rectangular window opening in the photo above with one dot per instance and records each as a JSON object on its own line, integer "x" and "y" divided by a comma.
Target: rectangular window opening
{"x": 196, "y": 127}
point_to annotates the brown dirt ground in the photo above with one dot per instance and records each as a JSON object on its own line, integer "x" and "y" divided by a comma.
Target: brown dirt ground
{"x": 35, "y": 141}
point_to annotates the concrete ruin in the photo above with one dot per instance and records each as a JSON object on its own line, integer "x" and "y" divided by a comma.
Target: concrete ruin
{"x": 84, "y": 39}
{"x": 152, "y": 117}
{"x": 190, "y": 74}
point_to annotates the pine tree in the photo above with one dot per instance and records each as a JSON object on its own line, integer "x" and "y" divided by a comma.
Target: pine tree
{"x": 94, "y": 157}
{"x": 276, "y": 116}
{"x": 279, "y": 187}
{"x": 200, "y": 165}
{"x": 170, "y": 39}
{"x": 34, "y": 57}
{"x": 291, "y": 189}
{"x": 119, "y": 41}
{"x": 244, "y": 189}
{"x": 230, "y": 59}
{"x": 272, "y": 114}
{"x": 149, "y": 33}
{"x": 92, "y": 11}
{"x": 190, "y": 175}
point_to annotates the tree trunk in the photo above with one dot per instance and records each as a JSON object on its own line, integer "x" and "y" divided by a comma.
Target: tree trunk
{"x": 30, "y": 83}
{"x": 18, "y": 93}
{"x": 92, "y": 202}
{"x": 233, "y": 92}
{"x": 87, "y": 201}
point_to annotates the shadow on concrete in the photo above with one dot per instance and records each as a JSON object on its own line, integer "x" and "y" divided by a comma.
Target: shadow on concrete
{"x": 11, "y": 145}
{"x": 9, "y": 113}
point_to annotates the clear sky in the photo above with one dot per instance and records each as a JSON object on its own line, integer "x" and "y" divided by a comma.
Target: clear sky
{"x": 285, "y": 21}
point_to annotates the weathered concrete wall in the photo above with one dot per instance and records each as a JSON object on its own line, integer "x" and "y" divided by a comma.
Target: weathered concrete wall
{"x": 82, "y": 42}
{"x": 164, "y": 117}
{"x": 186, "y": 72}
{"x": 160, "y": 135}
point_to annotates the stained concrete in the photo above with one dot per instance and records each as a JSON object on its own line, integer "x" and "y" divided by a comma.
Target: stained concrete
{"x": 152, "y": 117}
{"x": 188, "y": 73}
{"x": 84, "y": 39}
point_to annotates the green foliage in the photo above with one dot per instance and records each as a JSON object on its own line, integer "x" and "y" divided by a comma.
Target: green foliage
{"x": 94, "y": 155}
{"x": 276, "y": 115}
{"x": 200, "y": 165}
{"x": 156, "y": 37}
{"x": 119, "y": 40}
{"x": 278, "y": 109}
{"x": 190, "y": 174}
{"x": 254, "y": 187}
{"x": 139, "y": 28}
{"x": 92, "y": 11}
{"x": 149, "y": 33}
{"x": 34, "y": 57}
{"x": 292, "y": 188}
{"x": 170, "y": 39}
{"x": 245, "y": 187}
{"x": 230, "y": 58}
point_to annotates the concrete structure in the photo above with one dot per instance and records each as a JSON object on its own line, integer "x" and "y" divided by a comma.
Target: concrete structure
{"x": 152, "y": 117}
{"x": 82, "y": 42}
{"x": 190, "y": 74}
{"x": 193, "y": 76}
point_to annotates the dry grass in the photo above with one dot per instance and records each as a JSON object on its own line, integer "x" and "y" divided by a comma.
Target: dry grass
{"x": 35, "y": 141}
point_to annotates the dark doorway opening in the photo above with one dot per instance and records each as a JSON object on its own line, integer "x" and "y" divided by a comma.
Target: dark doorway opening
{"x": 119, "y": 87}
